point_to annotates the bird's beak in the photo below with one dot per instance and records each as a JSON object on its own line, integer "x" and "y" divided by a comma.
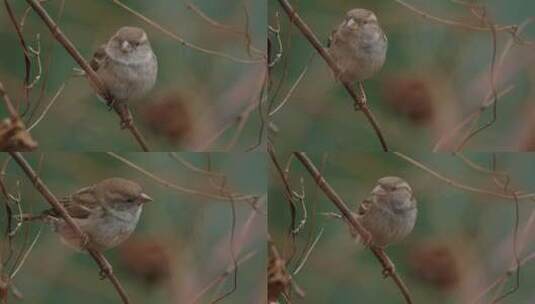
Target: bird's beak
{"x": 125, "y": 46}
{"x": 145, "y": 198}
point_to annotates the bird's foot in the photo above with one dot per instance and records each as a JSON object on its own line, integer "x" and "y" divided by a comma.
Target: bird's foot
{"x": 106, "y": 270}
{"x": 388, "y": 271}
{"x": 362, "y": 100}
{"x": 126, "y": 122}
{"x": 388, "y": 268}
{"x": 84, "y": 242}
{"x": 366, "y": 241}
{"x": 357, "y": 106}
{"x": 111, "y": 104}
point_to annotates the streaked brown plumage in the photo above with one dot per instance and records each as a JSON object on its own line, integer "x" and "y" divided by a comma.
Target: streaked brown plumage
{"x": 107, "y": 212}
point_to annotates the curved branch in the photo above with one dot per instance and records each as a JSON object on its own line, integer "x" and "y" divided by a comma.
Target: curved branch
{"x": 379, "y": 253}
{"x": 459, "y": 185}
{"x": 121, "y": 110}
{"x": 311, "y": 37}
{"x": 509, "y": 28}
{"x": 182, "y": 189}
{"x": 53, "y": 201}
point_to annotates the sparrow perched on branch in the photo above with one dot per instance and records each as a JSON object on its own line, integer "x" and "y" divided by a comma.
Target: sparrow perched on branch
{"x": 389, "y": 213}
{"x": 107, "y": 212}
{"x": 358, "y": 46}
{"x": 126, "y": 64}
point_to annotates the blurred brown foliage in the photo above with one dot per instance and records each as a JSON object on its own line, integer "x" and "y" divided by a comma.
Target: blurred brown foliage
{"x": 410, "y": 96}
{"x": 169, "y": 117}
{"x": 435, "y": 263}
{"x": 147, "y": 258}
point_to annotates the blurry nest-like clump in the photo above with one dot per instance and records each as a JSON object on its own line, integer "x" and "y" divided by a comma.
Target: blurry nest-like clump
{"x": 411, "y": 97}
{"x": 436, "y": 264}
{"x": 146, "y": 258}
{"x": 169, "y": 117}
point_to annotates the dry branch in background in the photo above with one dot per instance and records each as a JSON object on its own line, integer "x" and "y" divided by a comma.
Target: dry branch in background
{"x": 483, "y": 24}
{"x": 231, "y": 196}
{"x": 120, "y": 108}
{"x": 456, "y": 184}
{"x": 183, "y": 42}
{"x": 388, "y": 266}
{"x": 357, "y": 98}
{"x": 102, "y": 262}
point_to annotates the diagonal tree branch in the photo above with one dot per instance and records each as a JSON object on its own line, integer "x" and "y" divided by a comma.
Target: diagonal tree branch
{"x": 311, "y": 37}
{"x": 102, "y": 262}
{"x": 379, "y": 253}
{"x": 120, "y": 108}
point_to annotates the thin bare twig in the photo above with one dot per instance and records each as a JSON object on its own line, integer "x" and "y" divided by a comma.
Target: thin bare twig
{"x": 515, "y": 265}
{"x": 292, "y": 88}
{"x": 54, "y": 98}
{"x": 311, "y": 37}
{"x": 25, "y": 51}
{"x": 308, "y": 252}
{"x": 224, "y": 27}
{"x": 458, "y": 185}
{"x": 53, "y": 201}
{"x": 492, "y": 86}
{"x": 508, "y": 28}
{"x": 222, "y": 276}
{"x": 9, "y": 104}
{"x": 347, "y": 214}
{"x": 163, "y": 182}
{"x": 194, "y": 168}
{"x": 448, "y": 137}
{"x": 494, "y": 95}
{"x": 180, "y": 39}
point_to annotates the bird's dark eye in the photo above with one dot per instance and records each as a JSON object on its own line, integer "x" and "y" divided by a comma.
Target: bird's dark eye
{"x": 130, "y": 200}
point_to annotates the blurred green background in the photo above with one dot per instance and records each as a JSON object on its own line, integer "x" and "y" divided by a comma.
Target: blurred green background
{"x": 434, "y": 76}
{"x": 461, "y": 242}
{"x": 196, "y": 94}
{"x": 181, "y": 243}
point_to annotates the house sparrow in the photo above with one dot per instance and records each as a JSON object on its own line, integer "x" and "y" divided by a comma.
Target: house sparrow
{"x": 358, "y": 46}
{"x": 126, "y": 64}
{"x": 107, "y": 212}
{"x": 389, "y": 213}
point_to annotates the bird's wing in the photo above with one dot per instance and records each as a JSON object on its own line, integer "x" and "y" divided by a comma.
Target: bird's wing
{"x": 330, "y": 38}
{"x": 98, "y": 58}
{"x": 79, "y": 205}
{"x": 365, "y": 205}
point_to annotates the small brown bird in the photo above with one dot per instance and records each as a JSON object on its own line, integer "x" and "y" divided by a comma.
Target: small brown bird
{"x": 126, "y": 64}
{"x": 107, "y": 212}
{"x": 358, "y": 46}
{"x": 389, "y": 213}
